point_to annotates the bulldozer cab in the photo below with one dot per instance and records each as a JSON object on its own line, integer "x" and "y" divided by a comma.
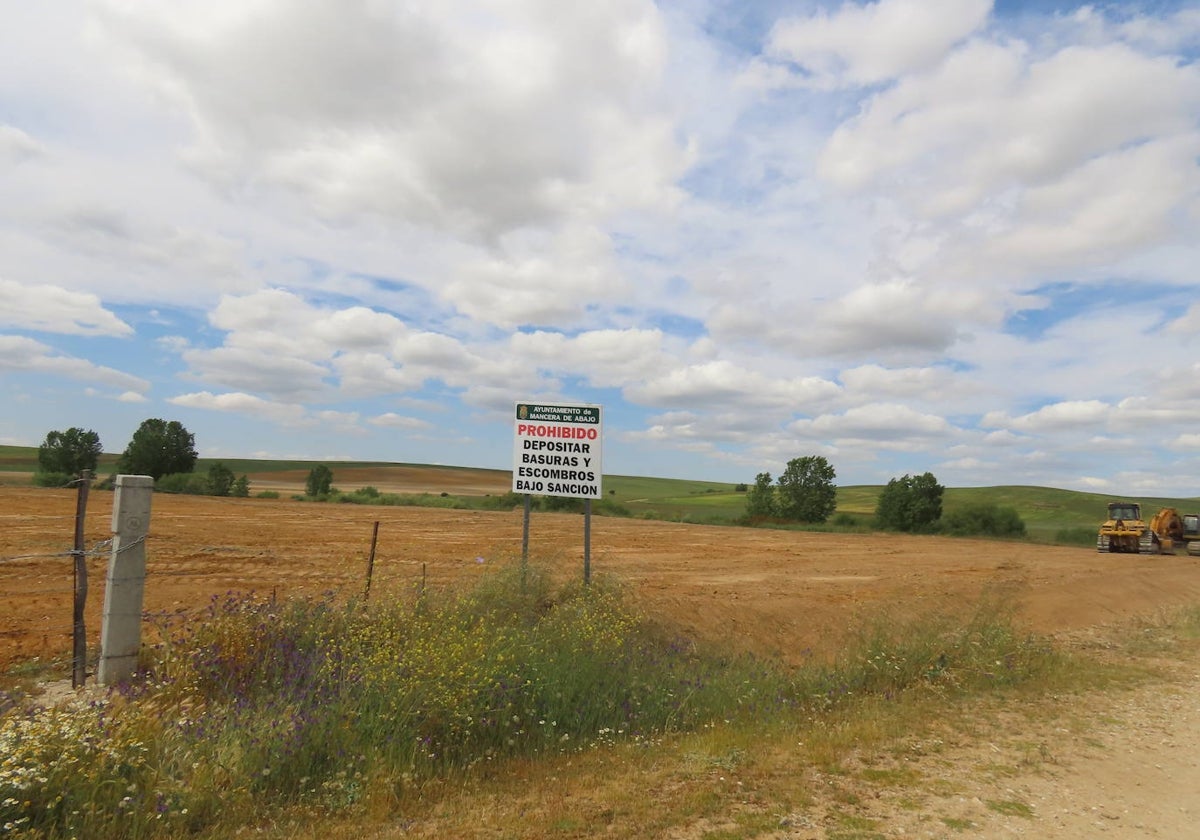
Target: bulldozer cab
{"x": 1191, "y": 526}
{"x": 1125, "y": 511}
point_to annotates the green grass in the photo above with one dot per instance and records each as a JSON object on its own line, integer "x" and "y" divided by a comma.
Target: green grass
{"x": 25, "y": 459}
{"x": 1050, "y": 515}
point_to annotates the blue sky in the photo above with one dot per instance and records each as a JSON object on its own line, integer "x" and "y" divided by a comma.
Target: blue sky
{"x": 910, "y": 235}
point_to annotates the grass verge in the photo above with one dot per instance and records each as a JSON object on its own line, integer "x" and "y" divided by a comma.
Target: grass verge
{"x": 512, "y": 708}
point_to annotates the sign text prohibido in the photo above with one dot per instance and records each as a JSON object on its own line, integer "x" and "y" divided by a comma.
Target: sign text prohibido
{"x": 557, "y": 450}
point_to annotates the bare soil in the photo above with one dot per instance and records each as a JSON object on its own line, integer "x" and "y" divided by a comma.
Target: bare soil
{"x": 781, "y": 593}
{"x": 785, "y": 594}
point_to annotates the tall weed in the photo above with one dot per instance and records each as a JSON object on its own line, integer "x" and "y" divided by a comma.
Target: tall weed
{"x": 257, "y": 703}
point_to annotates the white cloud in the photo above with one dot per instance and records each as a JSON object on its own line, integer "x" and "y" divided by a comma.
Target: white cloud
{"x": 25, "y": 355}
{"x": 391, "y": 420}
{"x": 966, "y": 465}
{"x": 1188, "y": 323}
{"x": 927, "y": 383}
{"x": 1003, "y": 437}
{"x": 990, "y": 118}
{"x": 1073, "y": 414}
{"x": 610, "y": 357}
{"x": 241, "y": 403}
{"x": 47, "y": 308}
{"x": 1180, "y": 383}
{"x": 472, "y": 121}
{"x": 16, "y": 146}
{"x": 901, "y": 321}
{"x": 885, "y": 423}
{"x": 538, "y": 280}
{"x": 1104, "y": 208}
{"x": 874, "y": 42}
{"x": 722, "y": 383}
{"x": 258, "y": 370}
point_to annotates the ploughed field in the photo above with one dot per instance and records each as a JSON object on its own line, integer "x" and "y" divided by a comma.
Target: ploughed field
{"x": 776, "y": 593}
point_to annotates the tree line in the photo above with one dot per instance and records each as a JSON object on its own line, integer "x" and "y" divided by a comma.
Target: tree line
{"x": 805, "y": 493}
{"x": 164, "y": 450}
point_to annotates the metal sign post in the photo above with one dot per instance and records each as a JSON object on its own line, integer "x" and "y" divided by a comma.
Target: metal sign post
{"x": 557, "y": 451}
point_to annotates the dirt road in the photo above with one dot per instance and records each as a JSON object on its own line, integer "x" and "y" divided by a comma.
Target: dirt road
{"x": 1121, "y": 764}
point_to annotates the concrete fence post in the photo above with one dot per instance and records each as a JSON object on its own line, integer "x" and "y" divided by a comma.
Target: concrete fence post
{"x": 121, "y": 631}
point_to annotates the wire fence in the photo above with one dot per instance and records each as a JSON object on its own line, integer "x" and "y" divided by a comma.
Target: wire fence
{"x": 37, "y": 589}
{"x": 286, "y": 552}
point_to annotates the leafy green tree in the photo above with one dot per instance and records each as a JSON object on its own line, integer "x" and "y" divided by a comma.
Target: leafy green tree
{"x": 912, "y": 503}
{"x": 241, "y": 488}
{"x": 220, "y": 479}
{"x": 806, "y": 492}
{"x": 320, "y": 481}
{"x": 159, "y": 448}
{"x": 70, "y": 452}
{"x": 760, "y": 499}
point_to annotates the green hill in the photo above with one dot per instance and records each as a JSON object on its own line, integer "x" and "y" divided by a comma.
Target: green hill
{"x": 1046, "y": 511}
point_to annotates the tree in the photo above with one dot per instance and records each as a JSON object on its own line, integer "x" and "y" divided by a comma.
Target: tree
{"x": 70, "y": 452}
{"x": 159, "y": 448}
{"x": 220, "y": 479}
{"x": 241, "y": 487}
{"x": 760, "y": 499}
{"x": 806, "y": 492}
{"x": 912, "y": 503}
{"x": 320, "y": 481}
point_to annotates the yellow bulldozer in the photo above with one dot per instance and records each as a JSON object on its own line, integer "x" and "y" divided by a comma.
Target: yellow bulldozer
{"x": 1125, "y": 532}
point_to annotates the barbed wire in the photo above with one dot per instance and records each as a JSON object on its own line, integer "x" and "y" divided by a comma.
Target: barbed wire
{"x": 25, "y": 592}
{"x": 35, "y": 556}
{"x": 100, "y": 549}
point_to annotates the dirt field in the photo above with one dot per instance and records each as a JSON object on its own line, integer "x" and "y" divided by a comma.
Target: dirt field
{"x": 777, "y": 593}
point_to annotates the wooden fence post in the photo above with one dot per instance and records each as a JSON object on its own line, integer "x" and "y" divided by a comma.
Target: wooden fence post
{"x": 371, "y": 562}
{"x": 79, "y": 628}
{"x": 121, "y": 632}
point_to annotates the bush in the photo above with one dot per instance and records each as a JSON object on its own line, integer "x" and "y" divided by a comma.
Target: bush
{"x": 505, "y": 501}
{"x": 191, "y": 484}
{"x": 846, "y": 520}
{"x": 985, "y": 520}
{"x": 52, "y": 479}
{"x": 266, "y": 494}
{"x": 607, "y": 507}
{"x": 563, "y": 504}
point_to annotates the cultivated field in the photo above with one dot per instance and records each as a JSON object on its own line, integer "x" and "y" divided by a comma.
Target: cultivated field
{"x": 785, "y": 594}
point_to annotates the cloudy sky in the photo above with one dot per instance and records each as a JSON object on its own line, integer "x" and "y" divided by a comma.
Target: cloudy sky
{"x": 950, "y": 235}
